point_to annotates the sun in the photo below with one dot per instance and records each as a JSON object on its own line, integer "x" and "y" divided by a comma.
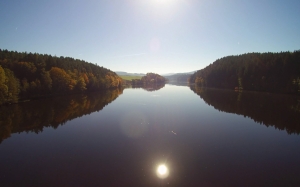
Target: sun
{"x": 162, "y": 171}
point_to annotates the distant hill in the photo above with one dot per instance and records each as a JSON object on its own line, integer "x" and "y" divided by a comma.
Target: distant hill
{"x": 179, "y": 77}
{"x": 172, "y": 77}
{"x": 129, "y": 74}
{"x": 170, "y": 74}
{"x": 143, "y": 74}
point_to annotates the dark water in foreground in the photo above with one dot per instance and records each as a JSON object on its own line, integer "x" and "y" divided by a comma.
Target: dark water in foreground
{"x": 118, "y": 138}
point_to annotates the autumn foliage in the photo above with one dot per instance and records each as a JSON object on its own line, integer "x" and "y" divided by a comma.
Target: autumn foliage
{"x": 27, "y": 75}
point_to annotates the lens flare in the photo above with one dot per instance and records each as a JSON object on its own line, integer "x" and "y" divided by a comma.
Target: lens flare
{"x": 162, "y": 171}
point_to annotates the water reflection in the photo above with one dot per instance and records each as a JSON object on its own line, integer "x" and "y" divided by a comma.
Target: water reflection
{"x": 149, "y": 87}
{"x": 179, "y": 83}
{"x": 33, "y": 116}
{"x": 280, "y": 111}
{"x": 123, "y": 145}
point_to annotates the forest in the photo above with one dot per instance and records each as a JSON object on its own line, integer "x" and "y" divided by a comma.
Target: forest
{"x": 30, "y": 75}
{"x": 267, "y": 72}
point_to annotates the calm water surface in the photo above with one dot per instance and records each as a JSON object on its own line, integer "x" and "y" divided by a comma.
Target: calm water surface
{"x": 118, "y": 138}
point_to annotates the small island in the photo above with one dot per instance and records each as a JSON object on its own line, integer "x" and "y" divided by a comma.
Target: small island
{"x": 148, "y": 79}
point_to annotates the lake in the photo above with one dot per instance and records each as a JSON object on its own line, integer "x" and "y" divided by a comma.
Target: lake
{"x": 204, "y": 137}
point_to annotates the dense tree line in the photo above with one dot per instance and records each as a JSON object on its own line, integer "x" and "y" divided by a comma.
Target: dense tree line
{"x": 270, "y": 72}
{"x": 149, "y": 78}
{"x": 277, "y": 110}
{"x": 28, "y": 75}
{"x": 35, "y": 115}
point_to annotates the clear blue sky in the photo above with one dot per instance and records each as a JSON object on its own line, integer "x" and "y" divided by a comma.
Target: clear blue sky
{"x": 160, "y": 36}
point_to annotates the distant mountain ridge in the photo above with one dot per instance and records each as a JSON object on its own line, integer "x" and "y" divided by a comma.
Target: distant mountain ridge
{"x": 143, "y": 74}
{"x": 171, "y": 77}
{"x": 179, "y": 77}
{"x": 129, "y": 74}
{"x": 170, "y": 74}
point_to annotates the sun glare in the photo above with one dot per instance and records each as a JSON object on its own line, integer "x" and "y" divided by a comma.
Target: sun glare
{"x": 162, "y": 171}
{"x": 164, "y": 1}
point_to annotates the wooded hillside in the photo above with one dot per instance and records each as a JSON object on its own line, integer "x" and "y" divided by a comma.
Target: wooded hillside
{"x": 27, "y": 75}
{"x": 270, "y": 72}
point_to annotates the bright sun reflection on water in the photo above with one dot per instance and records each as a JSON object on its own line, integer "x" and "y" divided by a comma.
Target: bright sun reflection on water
{"x": 162, "y": 171}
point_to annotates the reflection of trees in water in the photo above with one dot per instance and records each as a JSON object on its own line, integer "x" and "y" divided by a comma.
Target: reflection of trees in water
{"x": 149, "y": 87}
{"x": 280, "y": 111}
{"x": 178, "y": 83}
{"x": 33, "y": 116}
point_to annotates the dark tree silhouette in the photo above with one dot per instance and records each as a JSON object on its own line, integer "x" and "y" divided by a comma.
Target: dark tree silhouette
{"x": 269, "y": 72}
